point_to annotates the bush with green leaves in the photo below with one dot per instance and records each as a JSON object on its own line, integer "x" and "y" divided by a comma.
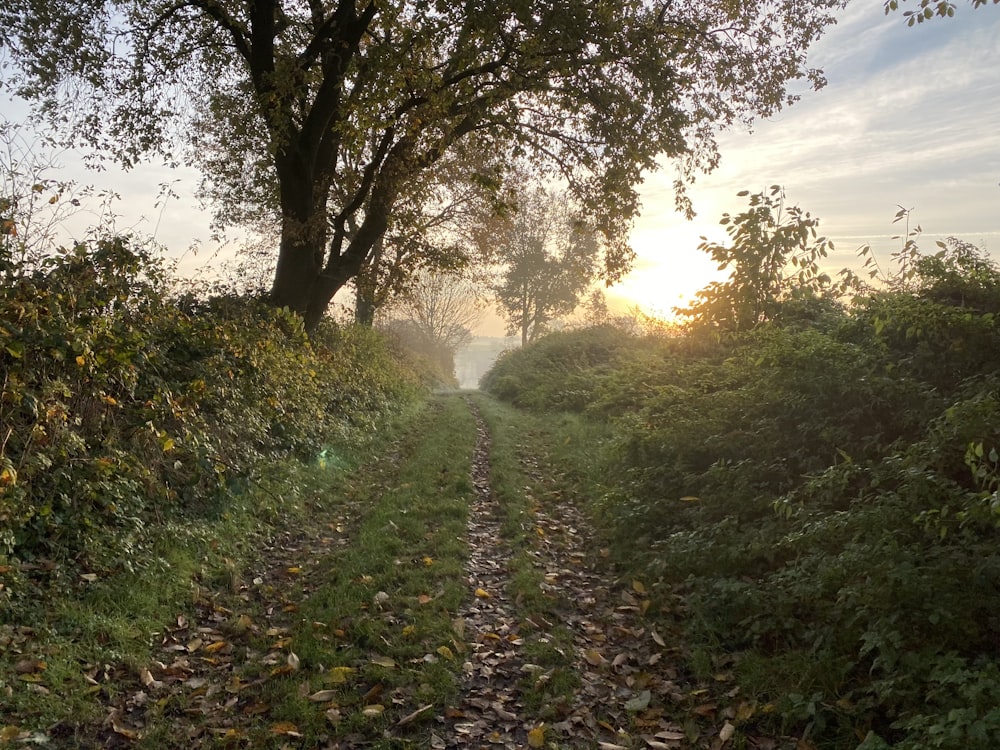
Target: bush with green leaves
{"x": 123, "y": 406}
{"x": 824, "y": 488}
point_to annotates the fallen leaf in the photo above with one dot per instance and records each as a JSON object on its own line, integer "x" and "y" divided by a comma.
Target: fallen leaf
{"x": 409, "y": 630}
{"x": 727, "y": 732}
{"x": 639, "y": 703}
{"x": 339, "y": 675}
{"x": 536, "y": 737}
{"x": 705, "y": 709}
{"x": 285, "y": 727}
{"x": 9, "y": 733}
{"x": 294, "y": 570}
{"x": 657, "y": 639}
{"x": 638, "y": 587}
{"x": 410, "y": 717}
{"x": 446, "y": 652}
{"x": 29, "y": 666}
{"x": 383, "y": 661}
{"x": 483, "y": 594}
{"x": 376, "y": 709}
{"x": 322, "y": 696}
{"x": 593, "y": 657}
{"x": 293, "y": 660}
{"x": 424, "y": 599}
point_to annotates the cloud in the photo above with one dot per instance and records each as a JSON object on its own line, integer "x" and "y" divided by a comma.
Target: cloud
{"x": 909, "y": 117}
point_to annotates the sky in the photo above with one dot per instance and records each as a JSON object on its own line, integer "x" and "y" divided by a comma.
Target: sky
{"x": 910, "y": 117}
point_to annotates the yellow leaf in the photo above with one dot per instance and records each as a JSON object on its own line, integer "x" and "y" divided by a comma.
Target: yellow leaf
{"x": 690, "y": 499}
{"x": 424, "y": 599}
{"x": 375, "y": 709}
{"x": 593, "y": 657}
{"x": 216, "y": 646}
{"x": 483, "y": 594}
{"x": 536, "y": 737}
{"x": 409, "y": 630}
{"x": 446, "y": 652}
{"x": 294, "y": 570}
{"x": 81, "y": 360}
{"x": 638, "y": 588}
{"x": 383, "y": 661}
{"x": 428, "y": 561}
{"x": 339, "y": 675}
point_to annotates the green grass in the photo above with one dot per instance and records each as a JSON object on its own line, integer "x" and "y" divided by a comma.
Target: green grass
{"x": 413, "y": 507}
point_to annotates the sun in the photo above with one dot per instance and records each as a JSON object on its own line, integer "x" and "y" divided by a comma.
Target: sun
{"x": 669, "y": 269}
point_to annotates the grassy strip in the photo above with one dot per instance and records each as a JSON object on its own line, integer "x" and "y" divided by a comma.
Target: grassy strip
{"x": 52, "y": 647}
{"x": 525, "y": 450}
{"x": 375, "y": 639}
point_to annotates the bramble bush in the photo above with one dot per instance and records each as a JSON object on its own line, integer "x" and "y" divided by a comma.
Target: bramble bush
{"x": 823, "y": 485}
{"x": 124, "y": 406}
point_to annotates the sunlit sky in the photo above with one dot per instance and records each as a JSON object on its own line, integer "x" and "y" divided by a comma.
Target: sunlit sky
{"x": 910, "y": 117}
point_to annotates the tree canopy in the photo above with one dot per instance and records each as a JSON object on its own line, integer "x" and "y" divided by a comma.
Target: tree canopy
{"x": 327, "y": 112}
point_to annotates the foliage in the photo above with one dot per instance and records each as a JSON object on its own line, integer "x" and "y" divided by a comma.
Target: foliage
{"x": 327, "y": 114}
{"x": 549, "y": 258}
{"x": 558, "y": 372}
{"x": 824, "y": 494}
{"x": 773, "y": 259}
{"x": 928, "y": 9}
{"x": 123, "y": 407}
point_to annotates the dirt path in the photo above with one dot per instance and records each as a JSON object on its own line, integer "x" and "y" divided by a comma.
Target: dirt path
{"x": 213, "y": 670}
{"x": 630, "y": 692}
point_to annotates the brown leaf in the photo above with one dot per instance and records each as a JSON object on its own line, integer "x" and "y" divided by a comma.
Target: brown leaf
{"x": 285, "y": 727}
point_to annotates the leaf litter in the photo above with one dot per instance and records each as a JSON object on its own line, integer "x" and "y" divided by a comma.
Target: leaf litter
{"x": 210, "y": 666}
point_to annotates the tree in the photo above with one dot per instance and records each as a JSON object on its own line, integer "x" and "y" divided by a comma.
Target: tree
{"x": 430, "y": 231}
{"x": 550, "y": 259}
{"x": 773, "y": 257}
{"x": 327, "y": 112}
{"x": 437, "y": 316}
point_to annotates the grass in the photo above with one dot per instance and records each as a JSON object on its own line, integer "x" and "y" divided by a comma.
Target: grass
{"x": 526, "y": 449}
{"x": 404, "y": 493}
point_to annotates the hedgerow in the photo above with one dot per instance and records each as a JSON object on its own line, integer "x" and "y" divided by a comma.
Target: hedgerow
{"x": 124, "y": 405}
{"x": 824, "y": 491}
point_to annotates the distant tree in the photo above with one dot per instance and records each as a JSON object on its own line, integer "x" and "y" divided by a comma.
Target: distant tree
{"x": 928, "y": 9}
{"x": 550, "y": 258}
{"x": 773, "y": 257}
{"x": 595, "y": 309}
{"x": 436, "y": 317}
{"x": 326, "y": 113}
{"x": 431, "y": 230}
